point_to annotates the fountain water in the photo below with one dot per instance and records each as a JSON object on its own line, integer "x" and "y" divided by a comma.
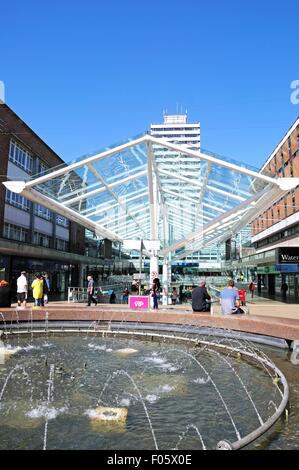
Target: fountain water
{"x": 49, "y": 400}
{"x": 159, "y": 375}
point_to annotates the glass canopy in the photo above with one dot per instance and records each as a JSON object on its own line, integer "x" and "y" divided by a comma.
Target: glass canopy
{"x": 150, "y": 189}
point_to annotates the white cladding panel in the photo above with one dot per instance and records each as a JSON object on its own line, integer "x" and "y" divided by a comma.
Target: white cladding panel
{"x": 62, "y": 233}
{"x": 15, "y": 173}
{"x": 15, "y": 216}
{"x": 43, "y": 226}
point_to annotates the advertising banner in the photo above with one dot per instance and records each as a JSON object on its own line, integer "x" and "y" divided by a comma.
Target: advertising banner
{"x": 139, "y": 301}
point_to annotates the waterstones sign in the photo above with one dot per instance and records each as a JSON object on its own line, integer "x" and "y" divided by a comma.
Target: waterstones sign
{"x": 288, "y": 255}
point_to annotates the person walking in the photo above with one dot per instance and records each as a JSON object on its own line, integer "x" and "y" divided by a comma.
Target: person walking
{"x": 22, "y": 289}
{"x": 155, "y": 292}
{"x": 201, "y": 298}
{"x": 251, "y": 288}
{"x": 174, "y": 296}
{"x": 46, "y": 289}
{"x": 37, "y": 289}
{"x": 284, "y": 289}
{"x": 90, "y": 291}
{"x": 229, "y": 299}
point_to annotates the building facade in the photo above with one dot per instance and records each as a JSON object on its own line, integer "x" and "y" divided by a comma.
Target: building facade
{"x": 33, "y": 238}
{"x": 176, "y": 129}
{"x": 277, "y": 229}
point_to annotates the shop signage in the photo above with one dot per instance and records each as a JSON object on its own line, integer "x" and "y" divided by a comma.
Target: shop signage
{"x": 139, "y": 301}
{"x": 288, "y": 268}
{"x": 288, "y": 255}
{"x": 267, "y": 270}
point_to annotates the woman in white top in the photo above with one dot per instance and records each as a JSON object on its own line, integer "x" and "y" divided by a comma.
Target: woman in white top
{"x": 22, "y": 289}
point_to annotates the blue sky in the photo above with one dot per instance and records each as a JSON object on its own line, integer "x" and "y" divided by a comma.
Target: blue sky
{"x": 84, "y": 75}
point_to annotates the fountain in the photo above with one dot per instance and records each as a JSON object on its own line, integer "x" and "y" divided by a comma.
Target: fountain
{"x": 133, "y": 385}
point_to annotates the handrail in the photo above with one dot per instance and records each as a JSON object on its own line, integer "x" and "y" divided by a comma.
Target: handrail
{"x": 79, "y": 294}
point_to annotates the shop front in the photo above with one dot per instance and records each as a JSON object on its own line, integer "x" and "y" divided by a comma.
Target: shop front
{"x": 281, "y": 279}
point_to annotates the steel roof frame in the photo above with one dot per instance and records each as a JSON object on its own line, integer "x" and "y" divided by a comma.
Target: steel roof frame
{"x": 156, "y": 193}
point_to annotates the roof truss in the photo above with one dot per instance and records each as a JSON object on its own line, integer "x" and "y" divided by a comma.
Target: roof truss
{"x": 142, "y": 195}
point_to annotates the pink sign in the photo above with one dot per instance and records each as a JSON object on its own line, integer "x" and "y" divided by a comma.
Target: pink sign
{"x": 139, "y": 301}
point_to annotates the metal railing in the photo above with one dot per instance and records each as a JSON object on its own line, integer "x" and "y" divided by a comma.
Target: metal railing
{"x": 102, "y": 293}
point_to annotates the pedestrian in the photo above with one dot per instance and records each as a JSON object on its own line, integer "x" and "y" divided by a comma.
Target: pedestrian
{"x": 229, "y": 299}
{"x": 46, "y": 289}
{"x": 242, "y": 296}
{"x": 251, "y": 288}
{"x": 125, "y": 296}
{"x": 174, "y": 296}
{"x": 37, "y": 289}
{"x": 22, "y": 289}
{"x": 134, "y": 287}
{"x": 112, "y": 299}
{"x": 201, "y": 298}
{"x": 181, "y": 295}
{"x": 155, "y": 292}
{"x": 90, "y": 291}
{"x": 284, "y": 289}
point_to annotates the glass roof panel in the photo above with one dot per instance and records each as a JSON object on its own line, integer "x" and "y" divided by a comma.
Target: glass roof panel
{"x": 112, "y": 190}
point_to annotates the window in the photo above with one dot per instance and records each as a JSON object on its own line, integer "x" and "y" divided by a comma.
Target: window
{"x": 16, "y": 200}
{"x": 291, "y": 167}
{"x": 42, "y": 211}
{"x": 13, "y": 232}
{"x": 293, "y": 201}
{"x": 42, "y": 168}
{"x": 282, "y": 162}
{"x": 62, "y": 245}
{"x": 41, "y": 239}
{"x": 20, "y": 156}
{"x": 60, "y": 220}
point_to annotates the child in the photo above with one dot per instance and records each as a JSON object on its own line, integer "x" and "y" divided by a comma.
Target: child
{"x": 242, "y": 296}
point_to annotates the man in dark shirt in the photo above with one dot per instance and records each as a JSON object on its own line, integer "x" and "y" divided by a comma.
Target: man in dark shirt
{"x": 200, "y": 298}
{"x": 90, "y": 291}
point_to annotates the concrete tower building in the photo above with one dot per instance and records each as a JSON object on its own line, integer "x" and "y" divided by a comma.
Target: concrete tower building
{"x": 176, "y": 129}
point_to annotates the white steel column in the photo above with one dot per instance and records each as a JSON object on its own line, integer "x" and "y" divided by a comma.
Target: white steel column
{"x": 152, "y": 190}
{"x": 165, "y": 283}
{"x": 154, "y": 267}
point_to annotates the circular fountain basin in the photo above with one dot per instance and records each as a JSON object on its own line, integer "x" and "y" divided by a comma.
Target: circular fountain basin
{"x": 80, "y": 392}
